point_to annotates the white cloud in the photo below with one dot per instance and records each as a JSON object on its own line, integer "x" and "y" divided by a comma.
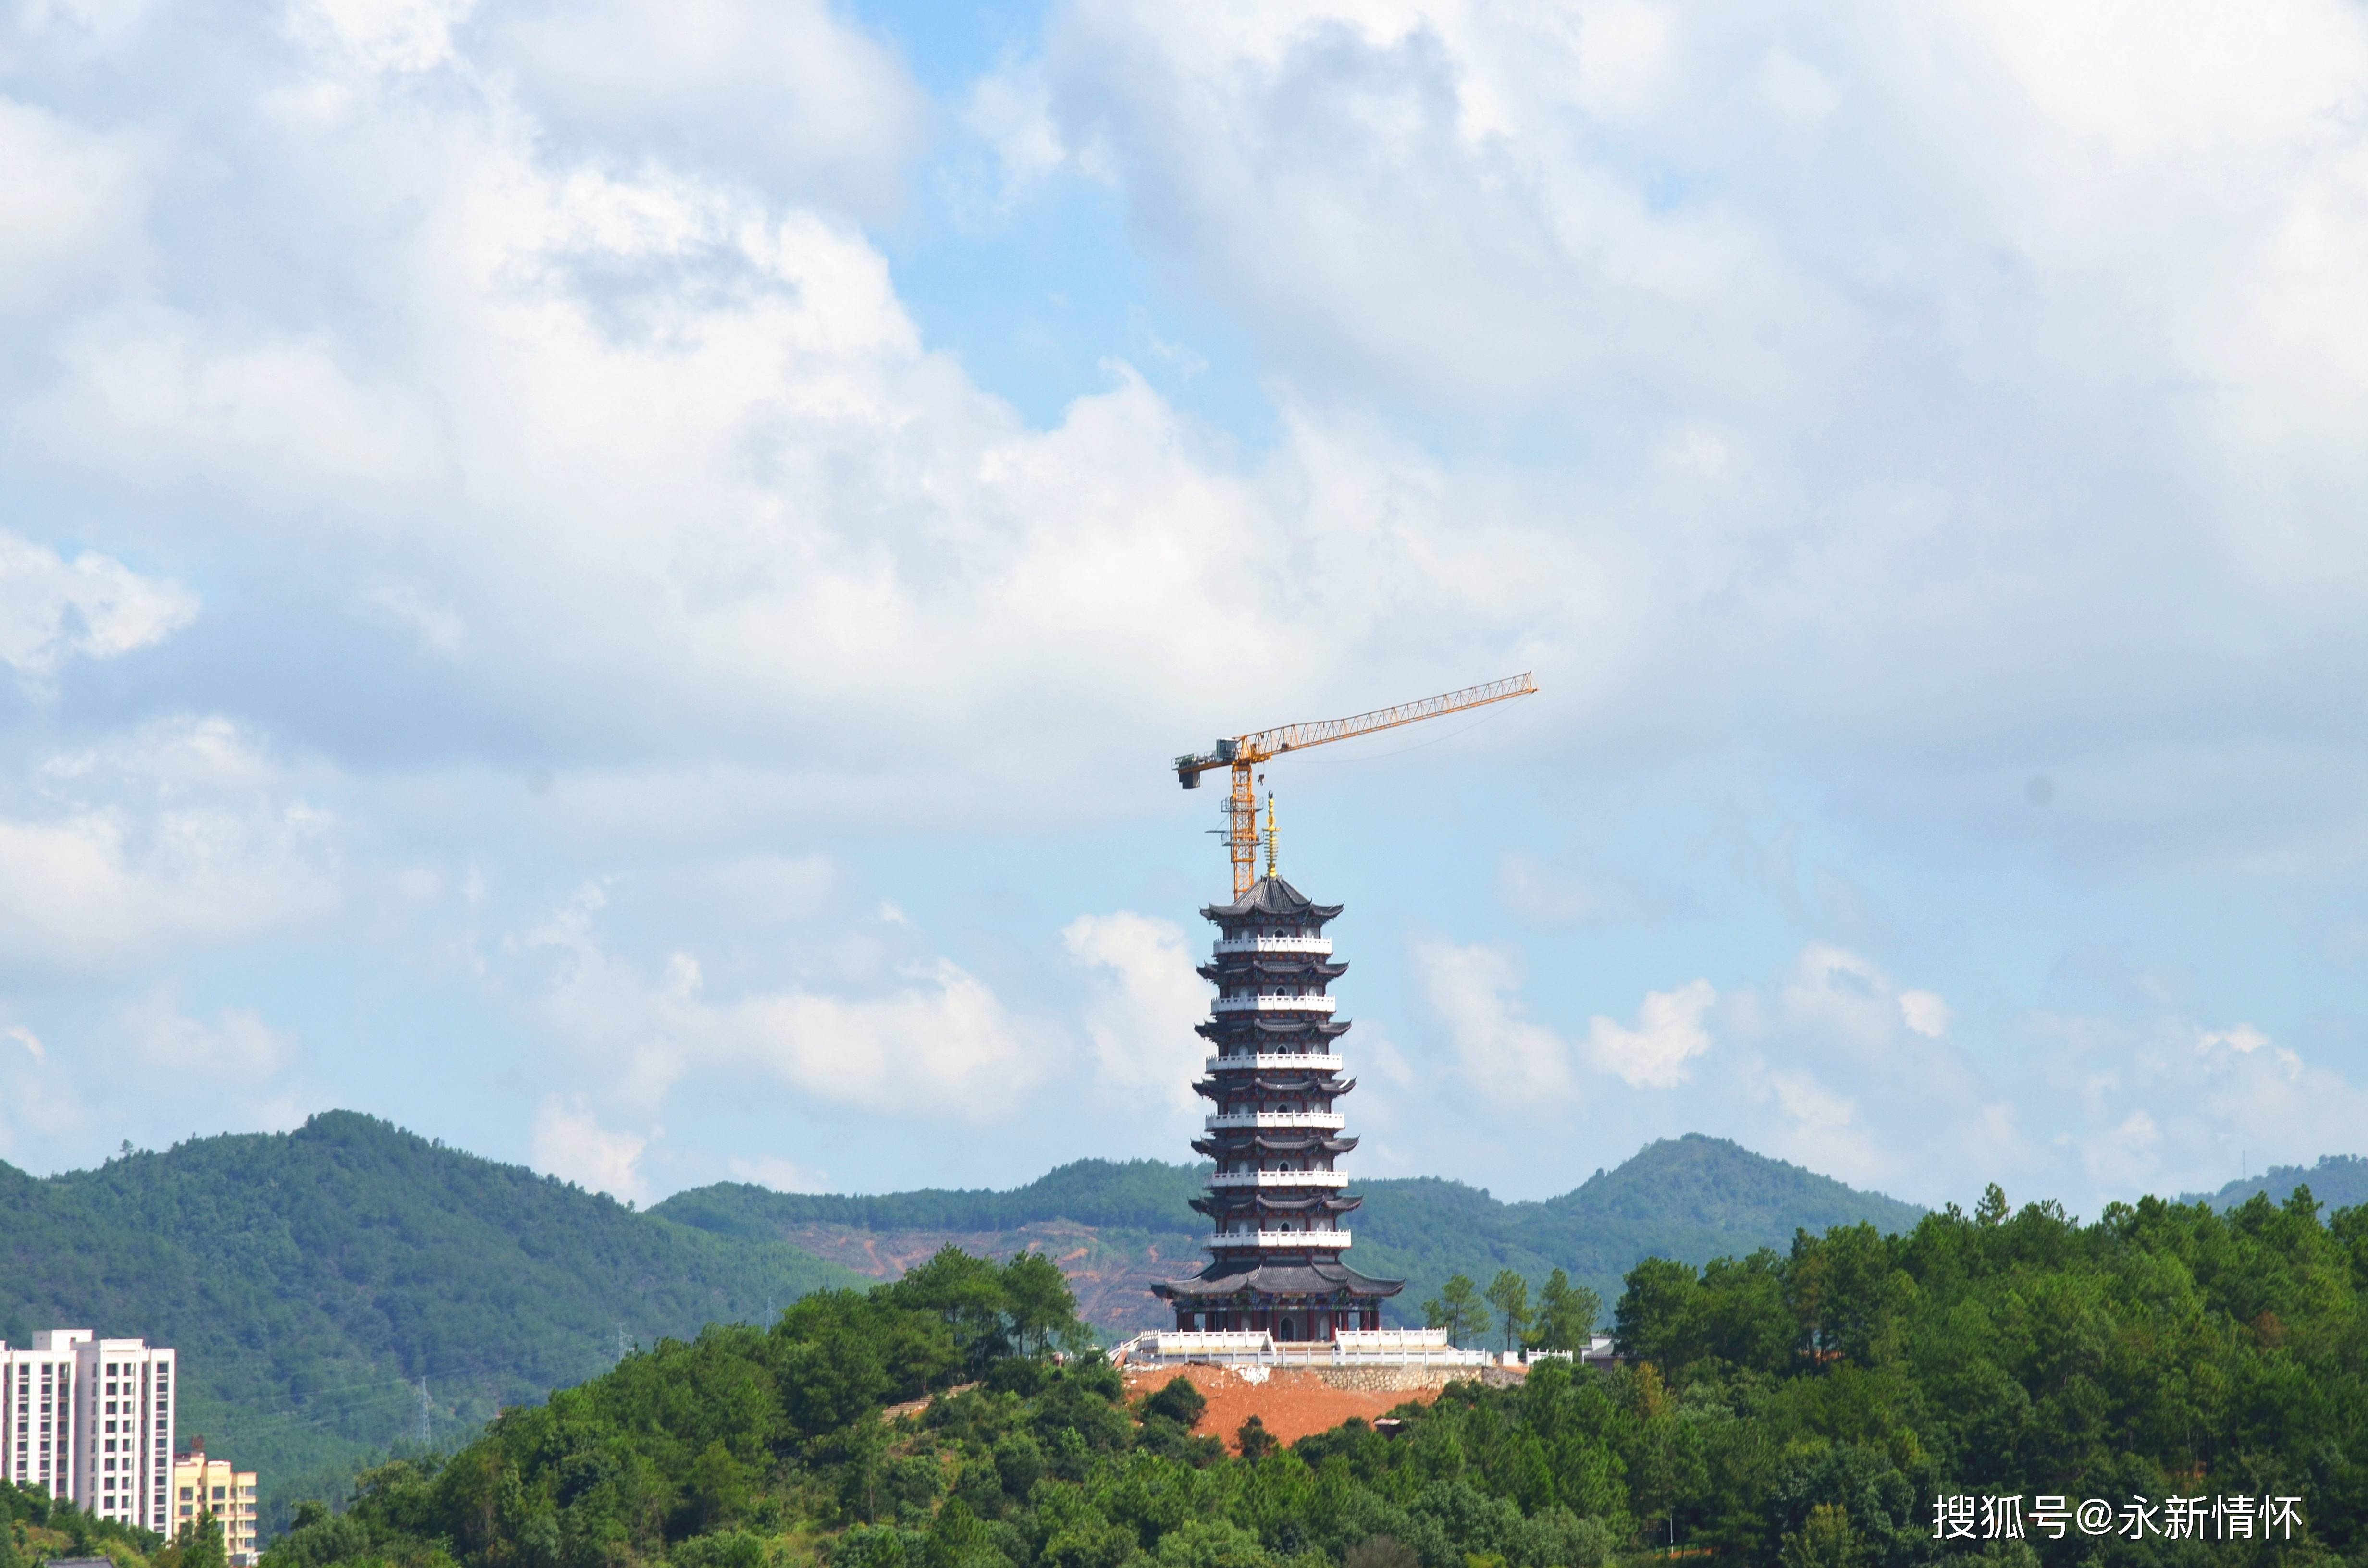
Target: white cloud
{"x": 1141, "y": 1016}
{"x": 236, "y": 1047}
{"x": 935, "y": 1045}
{"x": 2244, "y": 1039}
{"x": 1515, "y": 1062}
{"x": 51, "y": 608}
{"x": 69, "y": 208}
{"x": 1849, "y": 999}
{"x": 1509, "y": 1060}
{"x": 942, "y": 1047}
{"x": 1925, "y": 1012}
{"x": 2124, "y": 1157}
{"x": 1669, "y": 1034}
{"x": 37, "y": 1097}
{"x": 283, "y": 416}
{"x": 784, "y": 94}
{"x": 571, "y": 1143}
{"x": 382, "y": 35}
{"x": 546, "y": 341}
{"x": 2159, "y": 1103}
{"x": 180, "y": 835}
{"x": 1010, "y": 112}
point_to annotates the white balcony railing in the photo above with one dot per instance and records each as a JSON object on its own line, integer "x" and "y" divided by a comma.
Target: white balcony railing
{"x": 1225, "y": 1240}
{"x": 1391, "y": 1339}
{"x": 1277, "y": 1004}
{"x": 1286, "y": 1061}
{"x": 1279, "y": 1178}
{"x": 1349, "y": 1348}
{"x": 1225, "y": 1120}
{"x": 1321, "y": 946}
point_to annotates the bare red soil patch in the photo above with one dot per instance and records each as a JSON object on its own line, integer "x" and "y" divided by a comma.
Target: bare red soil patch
{"x": 1291, "y": 1404}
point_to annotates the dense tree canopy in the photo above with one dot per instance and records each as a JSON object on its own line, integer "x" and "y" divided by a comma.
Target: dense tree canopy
{"x": 1798, "y": 1410}
{"x": 311, "y": 1279}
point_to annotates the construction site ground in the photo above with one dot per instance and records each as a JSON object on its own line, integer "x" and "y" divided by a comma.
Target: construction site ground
{"x": 1291, "y": 1403}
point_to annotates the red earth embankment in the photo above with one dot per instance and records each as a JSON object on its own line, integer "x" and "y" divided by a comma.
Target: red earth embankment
{"x": 1290, "y": 1403}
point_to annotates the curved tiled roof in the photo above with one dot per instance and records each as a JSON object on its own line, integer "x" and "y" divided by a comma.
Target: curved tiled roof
{"x": 1272, "y": 895}
{"x": 1231, "y": 1277}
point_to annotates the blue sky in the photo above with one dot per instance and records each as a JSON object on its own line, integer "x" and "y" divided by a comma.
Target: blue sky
{"x": 613, "y": 583}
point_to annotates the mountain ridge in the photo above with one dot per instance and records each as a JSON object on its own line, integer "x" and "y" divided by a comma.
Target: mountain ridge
{"x": 1129, "y": 1222}
{"x": 2337, "y": 1181}
{"x": 310, "y": 1279}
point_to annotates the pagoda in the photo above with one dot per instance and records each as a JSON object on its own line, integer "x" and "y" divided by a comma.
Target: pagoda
{"x": 1274, "y": 1129}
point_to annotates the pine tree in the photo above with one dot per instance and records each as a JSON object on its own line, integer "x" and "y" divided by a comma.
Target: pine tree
{"x": 1457, "y": 1308}
{"x": 1509, "y": 1294}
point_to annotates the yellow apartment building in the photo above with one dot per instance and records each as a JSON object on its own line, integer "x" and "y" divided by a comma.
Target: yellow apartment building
{"x": 202, "y": 1486}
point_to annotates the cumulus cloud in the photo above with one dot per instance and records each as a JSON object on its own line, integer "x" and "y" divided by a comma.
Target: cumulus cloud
{"x": 1140, "y": 1017}
{"x": 69, "y": 211}
{"x": 1507, "y": 1057}
{"x": 1843, "y": 384}
{"x": 1515, "y": 1061}
{"x": 791, "y": 96}
{"x": 935, "y": 1044}
{"x": 1948, "y": 233}
{"x": 1925, "y": 1012}
{"x": 181, "y": 835}
{"x": 236, "y": 1047}
{"x": 1849, "y": 999}
{"x": 571, "y": 1143}
{"x": 942, "y": 1046}
{"x": 52, "y": 610}
{"x": 380, "y": 34}
{"x": 1668, "y": 1035}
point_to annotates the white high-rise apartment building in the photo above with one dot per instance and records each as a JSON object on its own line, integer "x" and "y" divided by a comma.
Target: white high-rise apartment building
{"x": 37, "y": 1410}
{"x": 91, "y": 1419}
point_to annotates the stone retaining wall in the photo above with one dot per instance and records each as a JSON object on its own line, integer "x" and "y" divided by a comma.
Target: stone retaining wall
{"x": 1381, "y": 1380}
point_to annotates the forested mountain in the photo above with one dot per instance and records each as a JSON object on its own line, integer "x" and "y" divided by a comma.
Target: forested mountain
{"x": 312, "y": 1280}
{"x": 1119, "y": 1227}
{"x": 2340, "y": 1181}
{"x": 1692, "y": 1197}
{"x": 1138, "y": 1195}
{"x": 2138, "y": 1386}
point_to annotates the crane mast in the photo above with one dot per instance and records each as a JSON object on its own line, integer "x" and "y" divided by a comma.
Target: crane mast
{"x": 1242, "y": 753}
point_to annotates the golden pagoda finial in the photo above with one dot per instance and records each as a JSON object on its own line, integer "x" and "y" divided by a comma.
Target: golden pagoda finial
{"x": 1270, "y": 834}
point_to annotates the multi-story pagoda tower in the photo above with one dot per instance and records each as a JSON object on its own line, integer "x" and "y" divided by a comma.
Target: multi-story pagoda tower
{"x": 1275, "y": 1129}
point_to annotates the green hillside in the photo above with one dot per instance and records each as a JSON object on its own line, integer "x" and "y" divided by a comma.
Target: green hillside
{"x": 1135, "y": 1195}
{"x": 311, "y": 1279}
{"x": 1692, "y": 1199}
{"x": 2340, "y": 1181}
{"x": 2167, "y": 1387}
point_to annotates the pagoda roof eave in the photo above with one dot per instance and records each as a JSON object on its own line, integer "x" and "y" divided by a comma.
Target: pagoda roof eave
{"x": 1272, "y": 896}
{"x": 1270, "y": 1144}
{"x": 1236, "y": 1082}
{"x": 1259, "y": 1276}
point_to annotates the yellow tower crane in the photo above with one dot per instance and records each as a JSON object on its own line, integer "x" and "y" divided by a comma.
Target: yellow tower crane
{"x": 1243, "y": 753}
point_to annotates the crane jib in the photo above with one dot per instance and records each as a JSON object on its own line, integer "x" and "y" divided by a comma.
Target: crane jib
{"x": 1241, "y": 753}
